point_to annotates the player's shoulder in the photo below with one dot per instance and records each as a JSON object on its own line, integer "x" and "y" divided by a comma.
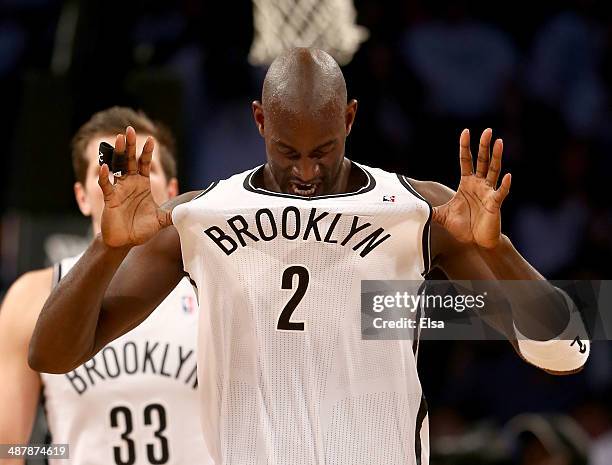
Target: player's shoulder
{"x": 238, "y": 178}
{"x": 24, "y": 301}
{"x": 380, "y": 179}
{"x": 181, "y": 199}
{"x": 433, "y": 192}
{"x": 377, "y": 173}
{"x": 178, "y": 205}
{"x": 216, "y": 193}
{"x": 232, "y": 184}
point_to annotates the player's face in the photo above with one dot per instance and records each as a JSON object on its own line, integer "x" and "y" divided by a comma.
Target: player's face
{"x": 305, "y": 152}
{"x": 89, "y": 196}
{"x": 305, "y": 157}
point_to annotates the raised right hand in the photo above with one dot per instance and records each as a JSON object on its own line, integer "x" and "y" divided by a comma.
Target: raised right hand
{"x": 130, "y": 215}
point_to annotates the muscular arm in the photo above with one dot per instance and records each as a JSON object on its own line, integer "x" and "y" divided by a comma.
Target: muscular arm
{"x": 468, "y": 261}
{"x": 108, "y": 292}
{"x": 20, "y": 388}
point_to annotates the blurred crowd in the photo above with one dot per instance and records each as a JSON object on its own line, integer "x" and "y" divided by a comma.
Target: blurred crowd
{"x": 539, "y": 74}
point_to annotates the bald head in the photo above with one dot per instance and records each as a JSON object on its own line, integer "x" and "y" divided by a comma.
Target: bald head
{"x": 304, "y": 118}
{"x": 304, "y": 80}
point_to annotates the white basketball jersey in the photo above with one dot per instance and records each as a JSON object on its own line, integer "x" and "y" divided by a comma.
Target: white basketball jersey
{"x": 285, "y": 377}
{"x": 135, "y": 402}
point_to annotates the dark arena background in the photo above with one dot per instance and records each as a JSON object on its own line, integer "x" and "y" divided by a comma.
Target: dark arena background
{"x": 538, "y": 73}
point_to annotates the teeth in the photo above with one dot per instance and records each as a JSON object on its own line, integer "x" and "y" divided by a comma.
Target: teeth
{"x": 304, "y": 189}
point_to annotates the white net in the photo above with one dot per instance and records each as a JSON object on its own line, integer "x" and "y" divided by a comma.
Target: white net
{"x": 325, "y": 24}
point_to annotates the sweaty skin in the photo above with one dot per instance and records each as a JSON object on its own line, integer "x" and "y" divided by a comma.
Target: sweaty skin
{"x": 304, "y": 119}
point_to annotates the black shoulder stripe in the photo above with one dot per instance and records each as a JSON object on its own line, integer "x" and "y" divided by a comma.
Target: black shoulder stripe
{"x": 57, "y": 274}
{"x": 417, "y": 334}
{"x": 421, "y": 414}
{"x": 205, "y": 191}
{"x": 194, "y": 286}
{"x": 404, "y": 182}
{"x": 426, "y": 229}
{"x": 417, "y": 331}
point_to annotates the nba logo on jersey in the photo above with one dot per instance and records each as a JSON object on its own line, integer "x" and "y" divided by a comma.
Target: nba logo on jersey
{"x": 188, "y": 304}
{"x": 388, "y": 198}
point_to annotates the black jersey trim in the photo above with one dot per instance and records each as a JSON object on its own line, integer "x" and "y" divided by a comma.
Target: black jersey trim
{"x": 206, "y": 191}
{"x": 42, "y": 403}
{"x": 57, "y": 274}
{"x": 419, "y": 313}
{"x": 248, "y": 185}
{"x": 417, "y": 334}
{"x": 426, "y": 240}
{"x": 421, "y": 414}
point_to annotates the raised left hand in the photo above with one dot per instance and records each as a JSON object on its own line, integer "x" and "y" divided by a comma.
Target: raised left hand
{"x": 473, "y": 214}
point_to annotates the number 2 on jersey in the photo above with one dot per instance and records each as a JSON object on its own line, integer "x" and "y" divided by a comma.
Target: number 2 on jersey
{"x": 284, "y": 320}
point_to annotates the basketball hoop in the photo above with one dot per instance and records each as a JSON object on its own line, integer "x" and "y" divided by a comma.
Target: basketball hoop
{"x": 325, "y": 24}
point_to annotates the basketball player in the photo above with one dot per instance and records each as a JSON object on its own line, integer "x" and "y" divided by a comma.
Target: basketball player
{"x": 278, "y": 254}
{"x": 132, "y": 402}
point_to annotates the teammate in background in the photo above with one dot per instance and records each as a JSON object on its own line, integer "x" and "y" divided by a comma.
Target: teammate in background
{"x": 133, "y": 402}
{"x": 278, "y": 254}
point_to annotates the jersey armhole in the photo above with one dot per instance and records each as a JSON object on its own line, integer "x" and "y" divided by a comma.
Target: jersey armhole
{"x": 194, "y": 285}
{"x": 57, "y": 275}
{"x": 426, "y": 239}
{"x": 178, "y": 218}
{"x": 206, "y": 191}
{"x": 177, "y": 204}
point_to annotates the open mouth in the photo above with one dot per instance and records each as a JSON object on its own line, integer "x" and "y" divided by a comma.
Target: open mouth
{"x": 304, "y": 189}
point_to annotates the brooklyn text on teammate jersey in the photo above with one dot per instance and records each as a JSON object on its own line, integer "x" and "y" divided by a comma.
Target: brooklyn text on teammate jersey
{"x": 167, "y": 360}
{"x": 291, "y": 221}
{"x": 133, "y": 401}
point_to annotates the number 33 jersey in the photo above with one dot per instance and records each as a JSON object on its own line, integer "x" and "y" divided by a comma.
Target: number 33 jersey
{"x": 133, "y": 403}
{"x": 285, "y": 377}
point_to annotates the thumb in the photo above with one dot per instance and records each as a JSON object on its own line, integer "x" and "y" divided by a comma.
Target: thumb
{"x": 502, "y": 192}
